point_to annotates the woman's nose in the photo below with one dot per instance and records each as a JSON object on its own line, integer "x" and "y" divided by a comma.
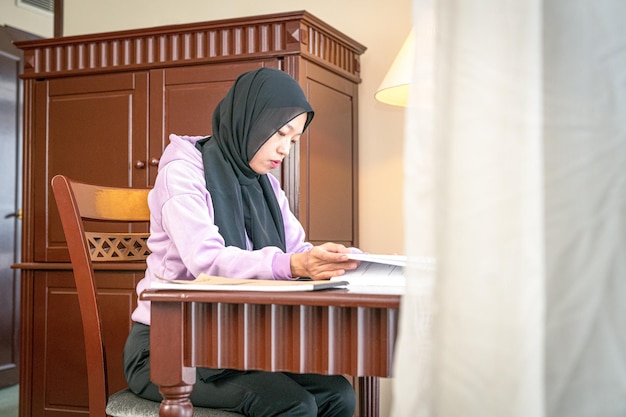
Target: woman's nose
{"x": 284, "y": 148}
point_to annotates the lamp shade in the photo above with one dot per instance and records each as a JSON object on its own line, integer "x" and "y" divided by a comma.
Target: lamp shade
{"x": 395, "y": 86}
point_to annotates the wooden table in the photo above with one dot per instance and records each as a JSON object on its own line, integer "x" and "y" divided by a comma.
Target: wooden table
{"x": 326, "y": 332}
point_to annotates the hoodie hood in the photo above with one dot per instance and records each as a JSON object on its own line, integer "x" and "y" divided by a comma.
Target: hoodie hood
{"x": 182, "y": 148}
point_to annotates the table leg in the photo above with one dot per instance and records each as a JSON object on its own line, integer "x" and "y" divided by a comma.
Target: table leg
{"x": 176, "y": 401}
{"x": 368, "y": 391}
{"x": 167, "y": 368}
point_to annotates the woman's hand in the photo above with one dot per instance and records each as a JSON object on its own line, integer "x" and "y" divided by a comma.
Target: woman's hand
{"x": 322, "y": 262}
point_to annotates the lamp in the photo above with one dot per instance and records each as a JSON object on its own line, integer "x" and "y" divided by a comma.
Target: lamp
{"x": 394, "y": 89}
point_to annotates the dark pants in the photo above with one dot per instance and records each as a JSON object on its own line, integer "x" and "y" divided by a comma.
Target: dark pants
{"x": 252, "y": 393}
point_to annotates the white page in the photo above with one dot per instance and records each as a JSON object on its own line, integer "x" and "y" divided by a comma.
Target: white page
{"x": 381, "y": 270}
{"x": 399, "y": 260}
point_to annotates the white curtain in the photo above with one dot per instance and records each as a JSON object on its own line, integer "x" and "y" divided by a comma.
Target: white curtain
{"x": 516, "y": 183}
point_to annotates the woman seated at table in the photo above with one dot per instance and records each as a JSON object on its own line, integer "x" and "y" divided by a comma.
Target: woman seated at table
{"x": 215, "y": 210}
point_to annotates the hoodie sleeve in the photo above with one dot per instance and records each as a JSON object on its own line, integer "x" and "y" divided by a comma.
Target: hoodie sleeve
{"x": 186, "y": 241}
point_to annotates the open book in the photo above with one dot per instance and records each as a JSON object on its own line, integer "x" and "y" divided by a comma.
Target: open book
{"x": 212, "y": 283}
{"x": 380, "y": 270}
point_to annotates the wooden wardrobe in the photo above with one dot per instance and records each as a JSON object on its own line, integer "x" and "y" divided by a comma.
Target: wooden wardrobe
{"x": 99, "y": 108}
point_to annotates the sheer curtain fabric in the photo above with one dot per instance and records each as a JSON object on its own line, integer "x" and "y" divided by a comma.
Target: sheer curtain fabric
{"x": 515, "y": 174}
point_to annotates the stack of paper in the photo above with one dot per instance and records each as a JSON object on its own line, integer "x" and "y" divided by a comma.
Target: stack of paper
{"x": 213, "y": 283}
{"x": 380, "y": 270}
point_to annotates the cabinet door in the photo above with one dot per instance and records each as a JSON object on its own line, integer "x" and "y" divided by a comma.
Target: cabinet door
{"x": 327, "y": 195}
{"x": 90, "y": 128}
{"x": 182, "y": 99}
{"x": 57, "y": 363}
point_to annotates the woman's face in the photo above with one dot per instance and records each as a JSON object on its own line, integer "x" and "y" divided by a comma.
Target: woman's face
{"x": 277, "y": 147}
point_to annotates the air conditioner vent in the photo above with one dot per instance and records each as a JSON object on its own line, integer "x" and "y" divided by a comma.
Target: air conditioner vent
{"x": 44, "y": 5}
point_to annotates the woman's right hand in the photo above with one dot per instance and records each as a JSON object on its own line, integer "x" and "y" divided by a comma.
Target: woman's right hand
{"x": 322, "y": 262}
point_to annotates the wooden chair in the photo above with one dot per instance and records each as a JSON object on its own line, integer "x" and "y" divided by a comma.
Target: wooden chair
{"x": 77, "y": 202}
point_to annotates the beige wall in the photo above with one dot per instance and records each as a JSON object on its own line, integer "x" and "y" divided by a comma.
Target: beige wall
{"x": 379, "y": 25}
{"x": 28, "y": 19}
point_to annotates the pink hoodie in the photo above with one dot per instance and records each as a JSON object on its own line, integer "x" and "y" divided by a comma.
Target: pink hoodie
{"x": 184, "y": 239}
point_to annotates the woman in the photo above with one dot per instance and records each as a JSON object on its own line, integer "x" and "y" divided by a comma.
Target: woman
{"x": 215, "y": 209}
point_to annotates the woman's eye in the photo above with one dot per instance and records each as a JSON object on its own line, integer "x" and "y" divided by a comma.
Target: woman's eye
{"x": 281, "y": 133}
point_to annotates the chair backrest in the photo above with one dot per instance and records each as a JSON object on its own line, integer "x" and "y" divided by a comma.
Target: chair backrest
{"x": 78, "y": 204}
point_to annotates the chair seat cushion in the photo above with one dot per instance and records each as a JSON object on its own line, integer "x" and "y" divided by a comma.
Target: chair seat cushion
{"x": 126, "y": 404}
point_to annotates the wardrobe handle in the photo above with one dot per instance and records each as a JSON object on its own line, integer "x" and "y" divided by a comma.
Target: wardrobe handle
{"x": 154, "y": 162}
{"x": 17, "y": 214}
{"x": 140, "y": 164}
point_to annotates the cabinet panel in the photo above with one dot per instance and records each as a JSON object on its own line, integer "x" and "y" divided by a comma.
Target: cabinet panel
{"x": 182, "y": 100}
{"x": 92, "y": 129}
{"x": 59, "y": 365}
{"x": 328, "y": 159}
{"x": 191, "y": 94}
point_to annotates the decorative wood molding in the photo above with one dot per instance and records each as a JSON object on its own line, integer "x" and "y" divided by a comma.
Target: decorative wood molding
{"x": 293, "y": 33}
{"x": 116, "y": 247}
{"x": 298, "y": 338}
{"x": 59, "y": 13}
{"x": 139, "y": 266}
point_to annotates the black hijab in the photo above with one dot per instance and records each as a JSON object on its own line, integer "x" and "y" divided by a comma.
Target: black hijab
{"x": 258, "y": 104}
